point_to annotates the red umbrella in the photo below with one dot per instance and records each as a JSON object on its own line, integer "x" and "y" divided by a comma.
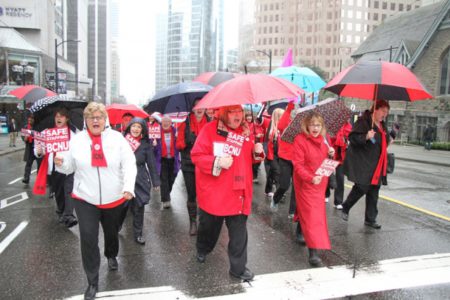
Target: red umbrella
{"x": 31, "y": 93}
{"x": 215, "y": 78}
{"x": 117, "y": 110}
{"x": 249, "y": 89}
{"x": 378, "y": 80}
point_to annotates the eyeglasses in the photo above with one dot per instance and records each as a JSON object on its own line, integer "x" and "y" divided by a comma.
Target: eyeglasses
{"x": 95, "y": 118}
{"x": 315, "y": 125}
{"x": 236, "y": 111}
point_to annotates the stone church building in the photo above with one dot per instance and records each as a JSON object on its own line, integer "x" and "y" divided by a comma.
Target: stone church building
{"x": 420, "y": 40}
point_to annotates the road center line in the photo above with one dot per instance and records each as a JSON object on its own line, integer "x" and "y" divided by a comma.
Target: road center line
{"x": 422, "y": 210}
{"x": 5, "y": 243}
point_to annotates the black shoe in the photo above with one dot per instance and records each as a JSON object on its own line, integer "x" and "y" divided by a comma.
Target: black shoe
{"x": 112, "y": 264}
{"x": 344, "y": 216}
{"x": 201, "y": 257}
{"x": 299, "y": 236}
{"x": 71, "y": 221}
{"x": 247, "y": 275}
{"x": 51, "y": 195}
{"x": 193, "y": 228}
{"x": 26, "y": 181}
{"x": 314, "y": 259}
{"x": 140, "y": 240}
{"x": 91, "y": 291}
{"x": 374, "y": 225}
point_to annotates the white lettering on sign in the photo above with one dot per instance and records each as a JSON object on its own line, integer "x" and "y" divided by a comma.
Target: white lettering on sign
{"x": 233, "y": 144}
{"x": 154, "y": 132}
{"x": 26, "y": 132}
{"x": 327, "y": 167}
{"x": 56, "y": 139}
{"x": 134, "y": 144}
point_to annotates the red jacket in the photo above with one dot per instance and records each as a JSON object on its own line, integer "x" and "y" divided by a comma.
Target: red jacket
{"x": 309, "y": 153}
{"x": 215, "y": 194}
{"x": 285, "y": 148}
{"x": 341, "y": 142}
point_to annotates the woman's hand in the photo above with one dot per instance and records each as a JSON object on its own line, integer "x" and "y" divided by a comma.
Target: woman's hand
{"x": 370, "y": 134}
{"x": 39, "y": 150}
{"x": 58, "y": 160}
{"x": 331, "y": 152}
{"x": 127, "y": 195}
{"x": 316, "y": 180}
{"x": 225, "y": 162}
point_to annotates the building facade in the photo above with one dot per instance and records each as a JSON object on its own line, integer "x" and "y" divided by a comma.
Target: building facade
{"x": 321, "y": 33}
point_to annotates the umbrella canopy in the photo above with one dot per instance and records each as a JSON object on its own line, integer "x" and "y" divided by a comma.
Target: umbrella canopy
{"x": 176, "y": 98}
{"x": 117, "y": 110}
{"x": 378, "y": 80}
{"x": 44, "y": 111}
{"x": 215, "y": 78}
{"x": 31, "y": 93}
{"x": 175, "y": 117}
{"x": 333, "y": 111}
{"x": 303, "y": 77}
{"x": 249, "y": 89}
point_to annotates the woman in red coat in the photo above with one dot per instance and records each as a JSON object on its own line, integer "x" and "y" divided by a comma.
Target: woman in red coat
{"x": 309, "y": 152}
{"x": 222, "y": 155}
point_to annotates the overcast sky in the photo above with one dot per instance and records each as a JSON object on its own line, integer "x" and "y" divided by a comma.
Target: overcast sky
{"x": 137, "y": 50}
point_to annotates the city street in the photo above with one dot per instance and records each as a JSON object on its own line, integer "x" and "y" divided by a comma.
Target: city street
{"x": 408, "y": 258}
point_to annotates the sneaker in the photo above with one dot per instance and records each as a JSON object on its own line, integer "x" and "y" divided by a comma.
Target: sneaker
{"x": 327, "y": 200}
{"x": 338, "y": 207}
{"x": 166, "y": 205}
{"x": 269, "y": 195}
{"x": 344, "y": 215}
{"x": 255, "y": 180}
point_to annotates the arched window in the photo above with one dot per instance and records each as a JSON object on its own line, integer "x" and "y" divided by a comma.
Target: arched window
{"x": 444, "y": 88}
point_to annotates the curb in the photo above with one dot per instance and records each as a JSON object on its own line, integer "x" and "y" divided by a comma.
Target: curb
{"x": 423, "y": 162}
{"x": 8, "y": 151}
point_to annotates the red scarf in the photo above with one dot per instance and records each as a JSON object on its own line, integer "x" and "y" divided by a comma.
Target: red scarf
{"x": 30, "y": 137}
{"x": 97, "y": 156}
{"x": 382, "y": 161}
{"x": 40, "y": 185}
{"x": 164, "y": 146}
{"x": 195, "y": 125}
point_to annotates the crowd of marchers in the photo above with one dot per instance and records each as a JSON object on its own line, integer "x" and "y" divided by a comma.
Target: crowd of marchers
{"x": 109, "y": 171}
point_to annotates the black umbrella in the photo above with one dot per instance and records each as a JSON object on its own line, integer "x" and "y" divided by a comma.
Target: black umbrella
{"x": 179, "y": 97}
{"x": 44, "y": 111}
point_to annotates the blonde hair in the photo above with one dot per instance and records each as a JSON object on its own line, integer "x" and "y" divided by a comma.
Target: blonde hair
{"x": 93, "y": 107}
{"x": 310, "y": 118}
{"x": 276, "y": 116}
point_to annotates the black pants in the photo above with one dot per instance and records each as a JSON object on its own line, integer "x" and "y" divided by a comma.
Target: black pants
{"x": 255, "y": 169}
{"x": 359, "y": 190}
{"x": 272, "y": 174}
{"x": 57, "y": 183}
{"x": 29, "y": 162}
{"x": 138, "y": 217}
{"x": 89, "y": 217}
{"x": 189, "y": 181}
{"x": 167, "y": 177}
{"x": 208, "y": 233}
{"x": 339, "y": 190}
{"x": 285, "y": 179}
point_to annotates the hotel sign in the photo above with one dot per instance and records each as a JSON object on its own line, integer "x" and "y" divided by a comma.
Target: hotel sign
{"x": 23, "y": 15}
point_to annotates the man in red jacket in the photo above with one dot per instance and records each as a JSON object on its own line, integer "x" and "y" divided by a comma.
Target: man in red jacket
{"x": 222, "y": 155}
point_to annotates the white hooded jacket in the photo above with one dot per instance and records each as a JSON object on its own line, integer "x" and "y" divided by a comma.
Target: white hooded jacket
{"x": 100, "y": 185}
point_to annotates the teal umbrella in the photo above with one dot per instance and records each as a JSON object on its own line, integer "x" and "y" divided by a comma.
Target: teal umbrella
{"x": 303, "y": 77}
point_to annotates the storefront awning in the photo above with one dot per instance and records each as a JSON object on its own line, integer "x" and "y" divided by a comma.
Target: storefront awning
{"x": 11, "y": 39}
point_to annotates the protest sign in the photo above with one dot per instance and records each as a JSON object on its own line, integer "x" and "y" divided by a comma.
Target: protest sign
{"x": 56, "y": 139}
{"x": 154, "y": 132}
{"x": 327, "y": 167}
{"x": 134, "y": 144}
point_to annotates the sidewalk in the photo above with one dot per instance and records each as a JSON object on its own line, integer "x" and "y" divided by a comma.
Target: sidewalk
{"x": 403, "y": 152}
{"x": 4, "y": 144}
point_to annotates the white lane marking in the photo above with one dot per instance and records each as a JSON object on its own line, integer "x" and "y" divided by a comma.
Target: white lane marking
{"x": 321, "y": 283}
{"x": 20, "y": 178}
{"x": 5, "y": 203}
{"x": 2, "y": 226}
{"x": 5, "y": 243}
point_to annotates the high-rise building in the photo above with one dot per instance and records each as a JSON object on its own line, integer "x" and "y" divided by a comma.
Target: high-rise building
{"x": 98, "y": 54}
{"x": 114, "y": 46}
{"x": 194, "y": 39}
{"x": 161, "y": 54}
{"x": 321, "y": 33}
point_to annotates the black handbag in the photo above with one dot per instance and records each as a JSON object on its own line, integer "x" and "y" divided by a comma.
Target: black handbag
{"x": 390, "y": 163}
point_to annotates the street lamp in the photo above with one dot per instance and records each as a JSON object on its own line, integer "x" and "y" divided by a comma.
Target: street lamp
{"x": 56, "y": 60}
{"x": 269, "y": 55}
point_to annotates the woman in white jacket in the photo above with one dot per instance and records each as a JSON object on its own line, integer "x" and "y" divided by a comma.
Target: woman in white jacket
{"x": 105, "y": 173}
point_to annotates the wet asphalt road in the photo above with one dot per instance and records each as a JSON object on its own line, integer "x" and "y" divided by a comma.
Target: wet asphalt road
{"x": 44, "y": 262}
